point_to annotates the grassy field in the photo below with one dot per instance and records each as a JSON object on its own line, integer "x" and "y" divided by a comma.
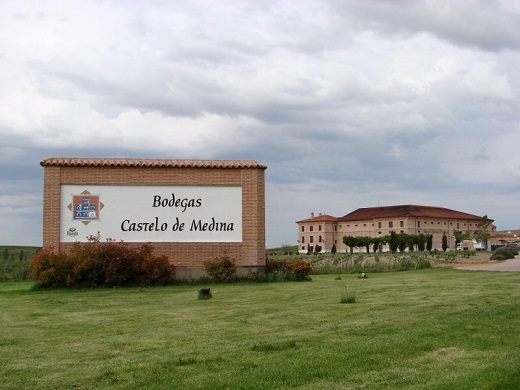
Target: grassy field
{"x": 429, "y": 329}
{"x": 14, "y": 261}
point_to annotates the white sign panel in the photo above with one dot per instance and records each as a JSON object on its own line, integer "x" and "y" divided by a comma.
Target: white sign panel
{"x": 151, "y": 213}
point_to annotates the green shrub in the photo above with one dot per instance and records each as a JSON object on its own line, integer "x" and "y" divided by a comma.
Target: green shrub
{"x": 347, "y": 297}
{"x": 504, "y": 253}
{"x": 221, "y": 268}
{"x": 423, "y": 263}
{"x": 277, "y": 270}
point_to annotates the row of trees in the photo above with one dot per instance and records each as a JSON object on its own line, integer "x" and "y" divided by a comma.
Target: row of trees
{"x": 397, "y": 242}
{"x": 420, "y": 242}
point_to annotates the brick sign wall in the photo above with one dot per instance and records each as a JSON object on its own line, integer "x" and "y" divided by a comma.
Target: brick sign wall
{"x": 191, "y": 210}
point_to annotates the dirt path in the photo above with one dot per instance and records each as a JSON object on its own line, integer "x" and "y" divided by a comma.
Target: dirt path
{"x": 506, "y": 265}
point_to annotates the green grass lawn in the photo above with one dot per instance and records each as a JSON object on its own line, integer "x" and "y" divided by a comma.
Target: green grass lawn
{"x": 430, "y": 329}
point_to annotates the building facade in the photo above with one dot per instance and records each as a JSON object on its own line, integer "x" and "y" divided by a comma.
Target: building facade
{"x": 326, "y": 230}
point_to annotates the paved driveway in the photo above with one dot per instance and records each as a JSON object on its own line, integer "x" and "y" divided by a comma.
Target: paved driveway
{"x": 506, "y": 265}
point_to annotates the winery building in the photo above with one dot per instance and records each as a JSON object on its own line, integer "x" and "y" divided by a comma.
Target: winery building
{"x": 326, "y": 230}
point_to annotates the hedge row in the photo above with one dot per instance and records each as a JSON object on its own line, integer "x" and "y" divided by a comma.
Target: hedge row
{"x": 100, "y": 264}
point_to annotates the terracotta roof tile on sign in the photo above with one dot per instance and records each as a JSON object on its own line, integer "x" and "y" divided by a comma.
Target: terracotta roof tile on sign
{"x": 407, "y": 211}
{"x": 135, "y": 162}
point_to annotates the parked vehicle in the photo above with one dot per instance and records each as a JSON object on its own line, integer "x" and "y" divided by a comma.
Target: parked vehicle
{"x": 471, "y": 245}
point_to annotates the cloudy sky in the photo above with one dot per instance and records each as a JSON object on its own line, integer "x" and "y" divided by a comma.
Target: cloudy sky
{"x": 350, "y": 103}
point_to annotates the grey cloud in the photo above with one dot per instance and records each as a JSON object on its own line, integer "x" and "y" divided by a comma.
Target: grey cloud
{"x": 488, "y": 25}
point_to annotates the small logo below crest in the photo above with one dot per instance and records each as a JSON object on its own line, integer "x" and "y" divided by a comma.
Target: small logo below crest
{"x": 72, "y": 232}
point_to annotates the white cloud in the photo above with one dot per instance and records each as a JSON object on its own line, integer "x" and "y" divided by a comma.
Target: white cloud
{"x": 349, "y": 103}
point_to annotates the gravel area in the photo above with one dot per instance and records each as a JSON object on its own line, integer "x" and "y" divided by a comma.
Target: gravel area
{"x": 506, "y": 265}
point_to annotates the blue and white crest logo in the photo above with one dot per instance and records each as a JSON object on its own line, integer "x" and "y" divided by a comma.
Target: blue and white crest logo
{"x": 85, "y": 207}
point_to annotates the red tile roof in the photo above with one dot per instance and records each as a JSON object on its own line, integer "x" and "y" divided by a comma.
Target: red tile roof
{"x": 320, "y": 218}
{"x": 142, "y": 162}
{"x": 407, "y": 211}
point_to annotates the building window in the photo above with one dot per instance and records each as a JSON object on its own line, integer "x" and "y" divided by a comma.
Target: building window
{"x": 391, "y": 224}
{"x": 319, "y": 228}
{"x": 379, "y": 225}
{"x": 319, "y": 239}
{"x": 303, "y": 239}
{"x": 418, "y": 223}
{"x": 401, "y": 223}
{"x": 303, "y": 228}
{"x": 458, "y": 226}
{"x": 311, "y": 239}
{"x": 303, "y": 247}
{"x": 311, "y": 228}
{"x": 335, "y": 228}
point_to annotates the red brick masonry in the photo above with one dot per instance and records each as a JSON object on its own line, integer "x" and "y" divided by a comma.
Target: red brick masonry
{"x": 187, "y": 257}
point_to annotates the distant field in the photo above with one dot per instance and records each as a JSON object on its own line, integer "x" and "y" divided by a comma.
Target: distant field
{"x": 14, "y": 261}
{"x": 428, "y": 329}
{"x": 283, "y": 250}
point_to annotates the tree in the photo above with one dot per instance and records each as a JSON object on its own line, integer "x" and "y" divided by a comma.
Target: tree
{"x": 421, "y": 242}
{"x": 333, "y": 249}
{"x": 351, "y": 242}
{"x": 482, "y": 232}
{"x": 364, "y": 241}
{"x": 376, "y": 241}
{"x": 429, "y": 242}
{"x": 459, "y": 236}
{"x": 412, "y": 241}
{"x": 402, "y": 240}
{"x": 444, "y": 242}
{"x": 394, "y": 241}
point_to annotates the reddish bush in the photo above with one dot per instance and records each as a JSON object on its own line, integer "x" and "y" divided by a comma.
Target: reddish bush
{"x": 94, "y": 263}
{"x": 289, "y": 269}
{"x": 301, "y": 269}
{"x": 153, "y": 270}
{"x": 52, "y": 269}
